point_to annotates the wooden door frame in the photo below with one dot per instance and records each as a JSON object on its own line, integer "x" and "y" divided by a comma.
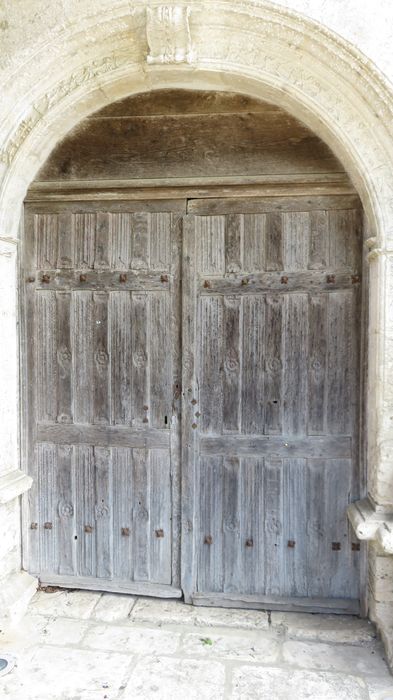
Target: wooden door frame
{"x": 197, "y": 188}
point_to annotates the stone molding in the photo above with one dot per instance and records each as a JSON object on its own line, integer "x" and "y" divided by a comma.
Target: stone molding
{"x": 372, "y": 523}
{"x": 13, "y": 484}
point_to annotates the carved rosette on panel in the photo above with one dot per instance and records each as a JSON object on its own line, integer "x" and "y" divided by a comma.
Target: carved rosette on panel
{"x": 168, "y": 34}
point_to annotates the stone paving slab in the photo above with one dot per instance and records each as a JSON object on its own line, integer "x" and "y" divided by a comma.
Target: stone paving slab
{"x": 56, "y": 674}
{"x": 250, "y": 683}
{"x": 338, "y": 629}
{"x": 329, "y": 657}
{"x": 262, "y": 648}
{"x": 77, "y": 604}
{"x": 174, "y": 612}
{"x": 134, "y": 640}
{"x": 113, "y": 607}
{"x": 176, "y": 679}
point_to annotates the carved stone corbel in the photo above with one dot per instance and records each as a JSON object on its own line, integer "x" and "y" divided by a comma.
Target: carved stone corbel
{"x": 168, "y": 34}
{"x": 372, "y": 522}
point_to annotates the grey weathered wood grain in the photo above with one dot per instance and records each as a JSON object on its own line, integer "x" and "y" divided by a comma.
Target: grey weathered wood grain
{"x": 101, "y": 359}
{"x": 45, "y": 359}
{"x": 141, "y": 514}
{"x": 93, "y": 280}
{"x": 65, "y": 494}
{"x": 317, "y": 384}
{"x": 160, "y": 517}
{"x": 185, "y": 144}
{"x": 336, "y": 446}
{"x": 273, "y": 520}
{"x": 121, "y": 357}
{"x": 232, "y": 363}
{"x": 82, "y": 352}
{"x": 122, "y": 495}
{"x": 343, "y": 606}
{"x": 253, "y": 394}
{"x": 140, "y": 358}
{"x": 273, "y": 364}
{"x": 210, "y": 537}
{"x": 231, "y": 484}
{"x": 122, "y": 436}
{"x": 295, "y": 364}
{"x": 64, "y": 358}
{"x": 103, "y": 488}
{"x": 248, "y": 205}
{"x": 278, "y": 282}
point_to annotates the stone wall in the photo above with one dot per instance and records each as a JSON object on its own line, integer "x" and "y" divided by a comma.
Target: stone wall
{"x": 63, "y": 59}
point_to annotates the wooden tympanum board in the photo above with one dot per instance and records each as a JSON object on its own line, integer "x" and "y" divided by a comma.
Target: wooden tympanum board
{"x": 257, "y": 303}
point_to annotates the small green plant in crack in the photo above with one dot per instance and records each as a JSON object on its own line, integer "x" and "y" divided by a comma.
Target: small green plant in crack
{"x": 206, "y": 641}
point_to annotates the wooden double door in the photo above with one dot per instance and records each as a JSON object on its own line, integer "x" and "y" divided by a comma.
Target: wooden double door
{"x": 191, "y": 384}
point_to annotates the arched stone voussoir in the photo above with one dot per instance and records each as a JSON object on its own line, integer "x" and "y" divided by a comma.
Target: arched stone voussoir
{"x": 253, "y": 47}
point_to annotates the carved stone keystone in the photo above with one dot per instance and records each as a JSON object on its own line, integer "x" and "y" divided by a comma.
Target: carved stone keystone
{"x": 168, "y": 34}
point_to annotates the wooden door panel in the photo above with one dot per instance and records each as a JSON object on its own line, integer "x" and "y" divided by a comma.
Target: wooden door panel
{"x": 104, "y": 361}
{"x": 271, "y": 403}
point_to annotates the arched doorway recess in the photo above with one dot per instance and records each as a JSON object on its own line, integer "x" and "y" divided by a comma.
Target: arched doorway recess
{"x": 266, "y": 52}
{"x": 192, "y": 354}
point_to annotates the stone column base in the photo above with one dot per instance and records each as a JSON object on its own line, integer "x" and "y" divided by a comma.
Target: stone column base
{"x": 16, "y": 591}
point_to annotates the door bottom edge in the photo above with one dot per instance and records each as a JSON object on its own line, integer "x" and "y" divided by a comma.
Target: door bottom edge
{"x": 338, "y": 606}
{"x": 96, "y": 584}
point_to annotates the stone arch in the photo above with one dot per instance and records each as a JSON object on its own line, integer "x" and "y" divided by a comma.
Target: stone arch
{"x": 253, "y": 47}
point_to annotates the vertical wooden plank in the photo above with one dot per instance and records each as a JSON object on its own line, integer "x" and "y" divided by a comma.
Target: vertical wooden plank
{"x": 273, "y": 525}
{"x": 47, "y": 468}
{"x": 160, "y": 517}
{"x": 176, "y": 471}
{"x": 232, "y": 546}
{"x": 101, "y": 410}
{"x": 46, "y": 360}
{"x": 341, "y": 576}
{"x": 161, "y": 224}
{"x": 122, "y": 489}
{"x": 83, "y": 228}
{"x": 296, "y": 240}
{"x": 190, "y": 482}
{"x": 210, "y": 535}
{"x": 66, "y": 253}
{"x": 232, "y": 324}
{"x": 317, "y": 533}
{"x": 211, "y": 351}
{"x": 319, "y": 240}
{"x": 120, "y": 356}
{"x": 64, "y": 358}
{"x": 252, "y": 542}
{"x": 140, "y": 399}
{"x": 233, "y": 242}
{"x": 295, "y": 390}
{"x": 65, "y": 492}
{"x": 141, "y": 514}
{"x": 160, "y": 344}
{"x": 274, "y": 241}
{"x": 345, "y": 240}
{"x": 85, "y": 510}
{"x": 140, "y": 240}
{"x": 210, "y": 234}
{"x": 273, "y": 387}
{"x": 120, "y": 240}
{"x": 252, "y": 380}
{"x": 339, "y": 409}
{"x": 254, "y": 242}
{"x": 34, "y": 519}
{"x": 103, "y": 512}
{"x": 318, "y": 341}
{"x": 102, "y": 253}
{"x": 295, "y": 496}
{"x": 82, "y": 355}
{"x": 46, "y": 232}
